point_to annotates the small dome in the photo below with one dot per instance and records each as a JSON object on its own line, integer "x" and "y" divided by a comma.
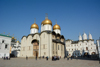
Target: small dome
{"x": 46, "y": 21}
{"x": 17, "y": 41}
{"x": 56, "y": 26}
{"x": 12, "y": 37}
{"x": 34, "y": 26}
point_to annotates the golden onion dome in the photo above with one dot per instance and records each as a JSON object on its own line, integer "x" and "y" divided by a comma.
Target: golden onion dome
{"x": 46, "y": 21}
{"x": 12, "y": 37}
{"x": 56, "y": 26}
{"x": 17, "y": 41}
{"x": 34, "y": 26}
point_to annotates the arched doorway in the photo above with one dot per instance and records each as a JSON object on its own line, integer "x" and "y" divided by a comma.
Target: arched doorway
{"x": 93, "y": 53}
{"x": 86, "y": 54}
{"x": 35, "y": 47}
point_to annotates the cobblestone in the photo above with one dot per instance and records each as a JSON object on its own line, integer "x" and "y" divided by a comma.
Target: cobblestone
{"x": 22, "y": 62}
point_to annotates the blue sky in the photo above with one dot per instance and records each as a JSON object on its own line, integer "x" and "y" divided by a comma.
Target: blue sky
{"x": 73, "y": 16}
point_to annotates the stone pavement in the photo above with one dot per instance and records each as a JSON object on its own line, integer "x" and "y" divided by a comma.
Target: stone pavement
{"x": 22, "y": 62}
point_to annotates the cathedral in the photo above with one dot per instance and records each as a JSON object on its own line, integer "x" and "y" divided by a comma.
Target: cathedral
{"x": 49, "y": 42}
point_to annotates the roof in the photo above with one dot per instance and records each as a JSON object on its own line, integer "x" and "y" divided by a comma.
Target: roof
{"x": 73, "y": 42}
{"x": 68, "y": 40}
{"x": 58, "y": 41}
{"x": 5, "y": 35}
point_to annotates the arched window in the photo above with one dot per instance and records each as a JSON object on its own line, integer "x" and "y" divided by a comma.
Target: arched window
{"x": 86, "y": 48}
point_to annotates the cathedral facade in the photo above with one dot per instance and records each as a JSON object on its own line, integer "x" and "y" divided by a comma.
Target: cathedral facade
{"x": 46, "y": 43}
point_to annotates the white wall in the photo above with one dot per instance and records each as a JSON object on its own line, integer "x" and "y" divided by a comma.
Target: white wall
{"x": 3, "y": 51}
{"x": 47, "y": 27}
{"x": 33, "y": 30}
{"x": 57, "y": 31}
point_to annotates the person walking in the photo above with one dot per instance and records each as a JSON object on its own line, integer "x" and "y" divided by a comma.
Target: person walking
{"x": 67, "y": 57}
{"x": 47, "y": 58}
{"x": 26, "y": 58}
{"x": 76, "y": 57}
{"x": 71, "y": 57}
{"x": 36, "y": 57}
{"x": 64, "y": 57}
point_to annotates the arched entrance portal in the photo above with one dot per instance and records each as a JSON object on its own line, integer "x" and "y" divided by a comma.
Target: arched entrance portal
{"x": 86, "y": 54}
{"x": 35, "y": 47}
{"x": 93, "y": 53}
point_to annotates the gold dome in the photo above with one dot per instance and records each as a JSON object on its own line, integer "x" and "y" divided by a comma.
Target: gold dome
{"x": 34, "y": 26}
{"x": 12, "y": 37}
{"x": 56, "y": 26}
{"x": 17, "y": 41}
{"x": 47, "y": 21}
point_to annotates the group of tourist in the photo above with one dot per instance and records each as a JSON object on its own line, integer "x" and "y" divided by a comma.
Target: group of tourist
{"x": 6, "y": 58}
{"x": 55, "y": 58}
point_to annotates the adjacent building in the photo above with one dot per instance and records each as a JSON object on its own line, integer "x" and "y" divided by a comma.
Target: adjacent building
{"x": 5, "y": 42}
{"x": 81, "y": 47}
{"x": 15, "y": 47}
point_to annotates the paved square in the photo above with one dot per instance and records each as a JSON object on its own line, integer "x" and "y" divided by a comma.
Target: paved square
{"x": 22, "y": 62}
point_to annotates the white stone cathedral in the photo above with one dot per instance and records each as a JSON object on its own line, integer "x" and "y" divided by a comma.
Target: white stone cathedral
{"x": 46, "y": 43}
{"x": 82, "y": 47}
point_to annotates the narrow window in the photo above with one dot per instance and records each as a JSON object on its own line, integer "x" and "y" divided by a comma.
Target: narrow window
{"x": 53, "y": 52}
{"x": 86, "y": 48}
{"x": 44, "y": 35}
{"x": 2, "y": 41}
{"x": 0, "y": 46}
{"x": 58, "y": 47}
{"x": 43, "y": 46}
{"x": 6, "y": 46}
{"x": 53, "y": 46}
{"x": 29, "y": 47}
{"x": 44, "y": 53}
